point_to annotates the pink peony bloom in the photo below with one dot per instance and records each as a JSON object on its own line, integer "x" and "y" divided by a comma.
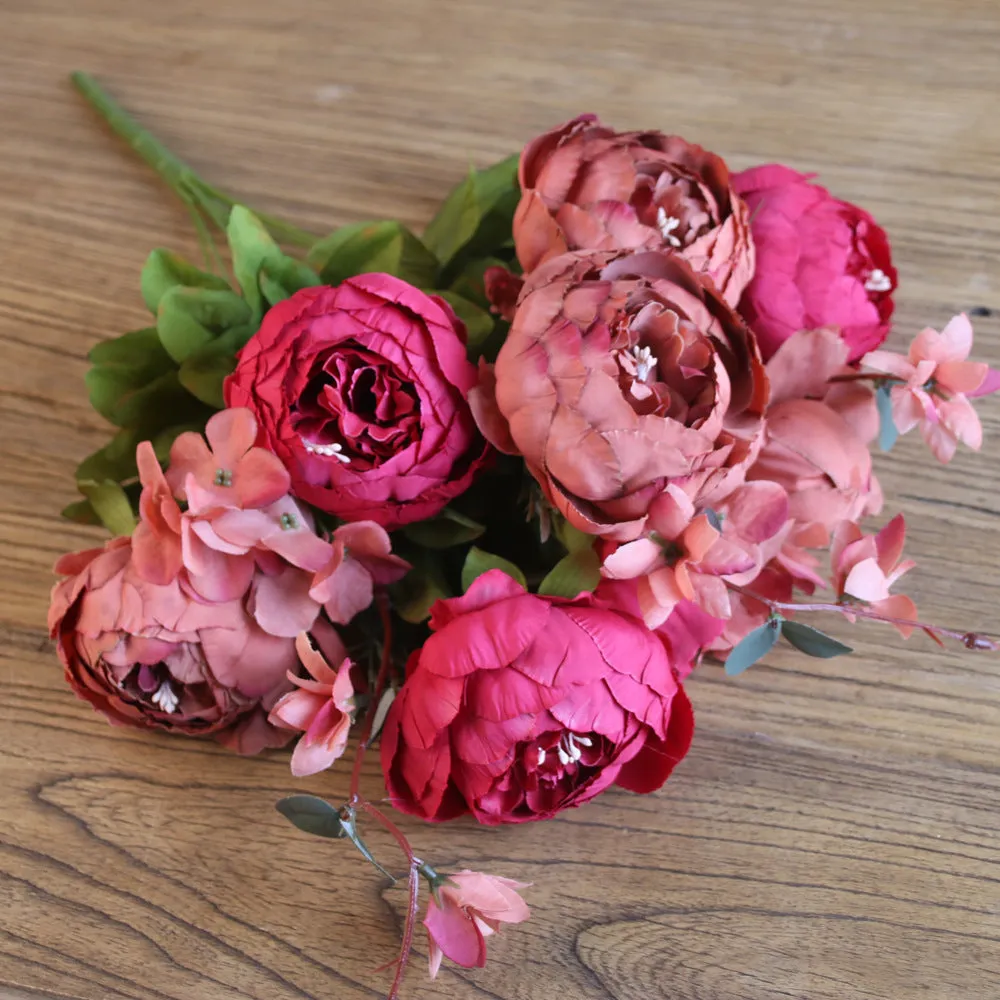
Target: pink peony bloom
{"x": 321, "y": 708}
{"x": 821, "y": 262}
{"x": 361, "y": 560}
{"x": 360, "y": 390}
{"x": 587, "y": 187}
{"x": 694, "y": 561}
{"x": 937, "y": 383}
{"x": 866, "y": 566}
{"x": 151, "y": 656}
{"x": 464, "y": 911}
{"x": 621, "y": 375}
{"x": 519, "y": 706}
{"x": 228, "y": 471}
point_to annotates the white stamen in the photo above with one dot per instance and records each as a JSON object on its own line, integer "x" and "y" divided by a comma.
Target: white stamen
{"x": 644, "y": 362}
{"x": 541, "y": 757}
{"x": 327, "y": 451}
{"x": 564, "y": 757}
{"x": 165, "y": 698}
{"x": 667, "y": 224}
{"x": 878, "y": 281}
{"x": 584, "y": 741}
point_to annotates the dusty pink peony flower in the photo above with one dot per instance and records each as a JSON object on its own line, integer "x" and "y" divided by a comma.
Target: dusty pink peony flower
{"x": 149, "y": 655}
{"x": 587, "y": 187}
{"x": 464, "y": 911}
{"x": 321, "y": 708}
{"x": 691, "y": 560}
{"x": 519, "y": 706}
{"x": 360, "y": 391}
{"x": 866, "y": 566}
{"x": 622, "y": 375}
{"x": 821, "y": 262}
{"x": 361, "y": 560}
{"x": 937, "y": 383}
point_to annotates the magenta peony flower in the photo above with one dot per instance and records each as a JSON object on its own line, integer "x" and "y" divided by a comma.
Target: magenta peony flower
{"x": 587, "y": 187}
{"x": 149, "y": 655}
{"x": 820, "y": 262}
{"x": 621, "y": 375}
{"x": 465, "y": 910}
{"x": 360, "y": 391}
{"x": 519, "y": 706}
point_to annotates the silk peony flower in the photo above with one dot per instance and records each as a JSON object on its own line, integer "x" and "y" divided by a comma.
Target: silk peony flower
{"x": 866, "y": 566}
{"x": 519, "y": 706}
{"x": 693, "y": 560}
{"x": 467, "y": 909}
{"x": 587, "y": 187}
{"x": 619, "y": 376}
{"x": 361, "y": 559}
{"x": 151, "y": 656}
{"x": 321, "y": 708}
{"x": 360, "y": 391}
{"x": 821, "y": 262}
{"x": 937, "y": 381}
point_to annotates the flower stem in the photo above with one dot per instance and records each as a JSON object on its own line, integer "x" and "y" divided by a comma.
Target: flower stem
{"x": 971, "y": 640}
{"x": 196, "y": 193}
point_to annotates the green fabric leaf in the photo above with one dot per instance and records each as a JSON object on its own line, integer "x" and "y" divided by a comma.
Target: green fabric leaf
{"x": 368, "y": 247}
{"x": 251, "y": 247}
{"x": 413, "y": 596}
{"x": 111, "y": 505}
{"x": 80, "y": 512}
{"x": 381, "y": 711}
{"x": 448, "y": 529}
{"x": 115, "y": 461}
{"x": 478, "y": 562}
{"x": 478, "y": 322}
{"x": 165, "y": 270}
{"x": 753, "y": 647}
{"x": 190, "y": 318}
{"x": 888, "y": 433}
{"x": 575, "y": 573}
{"x": 476, "y": 217}
{"x": 129, "y": 373}
{"x": 470, "y": 284}
{"x": 573, "y": 539}
{"x": 312, "y": 814}
{"x": 812, "y": 642}
{"x": 281, "y": 279}
{"x": 205, "y": 371}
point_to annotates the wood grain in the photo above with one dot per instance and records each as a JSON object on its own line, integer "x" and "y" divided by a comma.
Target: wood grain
{"x": 833, "y": 834}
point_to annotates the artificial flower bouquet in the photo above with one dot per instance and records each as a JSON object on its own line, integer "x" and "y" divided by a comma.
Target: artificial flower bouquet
{"x": 487, "y": 496}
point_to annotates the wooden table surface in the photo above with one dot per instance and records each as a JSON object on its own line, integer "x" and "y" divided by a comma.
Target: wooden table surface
{"x": 833, "y": 833}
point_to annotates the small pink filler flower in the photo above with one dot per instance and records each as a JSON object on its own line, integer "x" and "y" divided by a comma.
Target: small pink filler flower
{"x": 937, "y": 383}
{"x": 322, "y": 707}
{"x": 466, "y": 910}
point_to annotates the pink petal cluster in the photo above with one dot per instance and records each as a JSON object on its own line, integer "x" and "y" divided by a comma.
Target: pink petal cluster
{"x": 866, "y": 566}
{"x": 465, "y": 910}
{"x": 821, "y": 262}
{"x": 587, "y": 187}
{"x": 321, "y": 708}
{"x": 936, "y": 383}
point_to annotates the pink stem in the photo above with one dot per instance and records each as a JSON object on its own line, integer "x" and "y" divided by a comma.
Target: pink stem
{"x": 971, "y": 640}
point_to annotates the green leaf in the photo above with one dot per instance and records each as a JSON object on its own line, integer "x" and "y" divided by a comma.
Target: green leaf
{"x": 351, "y": 832}
{"x": 190, "y": 318}
{"x": 110, "y": 504}
{"x": 115, "y": 461}
{"x": 478, "y": 562}
{"x": 165, "y": 270}
{"x": 381, "y": 711}
{"x": 280, "y": 280}
{"x": 888, "y": 433}
{"x": 80, "y": 512}
{"x": 753, "y": 647}
{"x": 413, "y": 596}
{"x": 456, "y": 221}
{"x": 572, "y": 539}
{"x": 448, "y": 529}
{"x": 205, "y": 371}
{"x": 813, "y": 642}
{"x": 312, "y": 814}
{"x": 470, "y": 283}
{"x": 368, "y": 247}
{"x": 574, "y": 574}
{"x": 251, "y": 247}
{"x": 124, "y": 378}
{"x": 478, "y": 322}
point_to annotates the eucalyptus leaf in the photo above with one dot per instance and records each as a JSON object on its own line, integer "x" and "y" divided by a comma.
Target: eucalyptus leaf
{"x": 110, "y": 504}
{"x": 575, "y": 573}
{"x": 753, "y": 647}
{"x": 812, "y": 641}
{"x": 191, "y": 318}
{"x": 478, "y": 562}
{"x": 312, "y": 814}
{"x": 165, "y": 270}
{"x": 888, "y": 433}
{"x": 368, "y": 247}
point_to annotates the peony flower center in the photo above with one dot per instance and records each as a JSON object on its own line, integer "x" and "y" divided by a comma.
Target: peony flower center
{"x": 327, "y": 450}
{"x": 667, "y": 224}
{"x": 878, "y": 281}
{"x": 165, "y": 698}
